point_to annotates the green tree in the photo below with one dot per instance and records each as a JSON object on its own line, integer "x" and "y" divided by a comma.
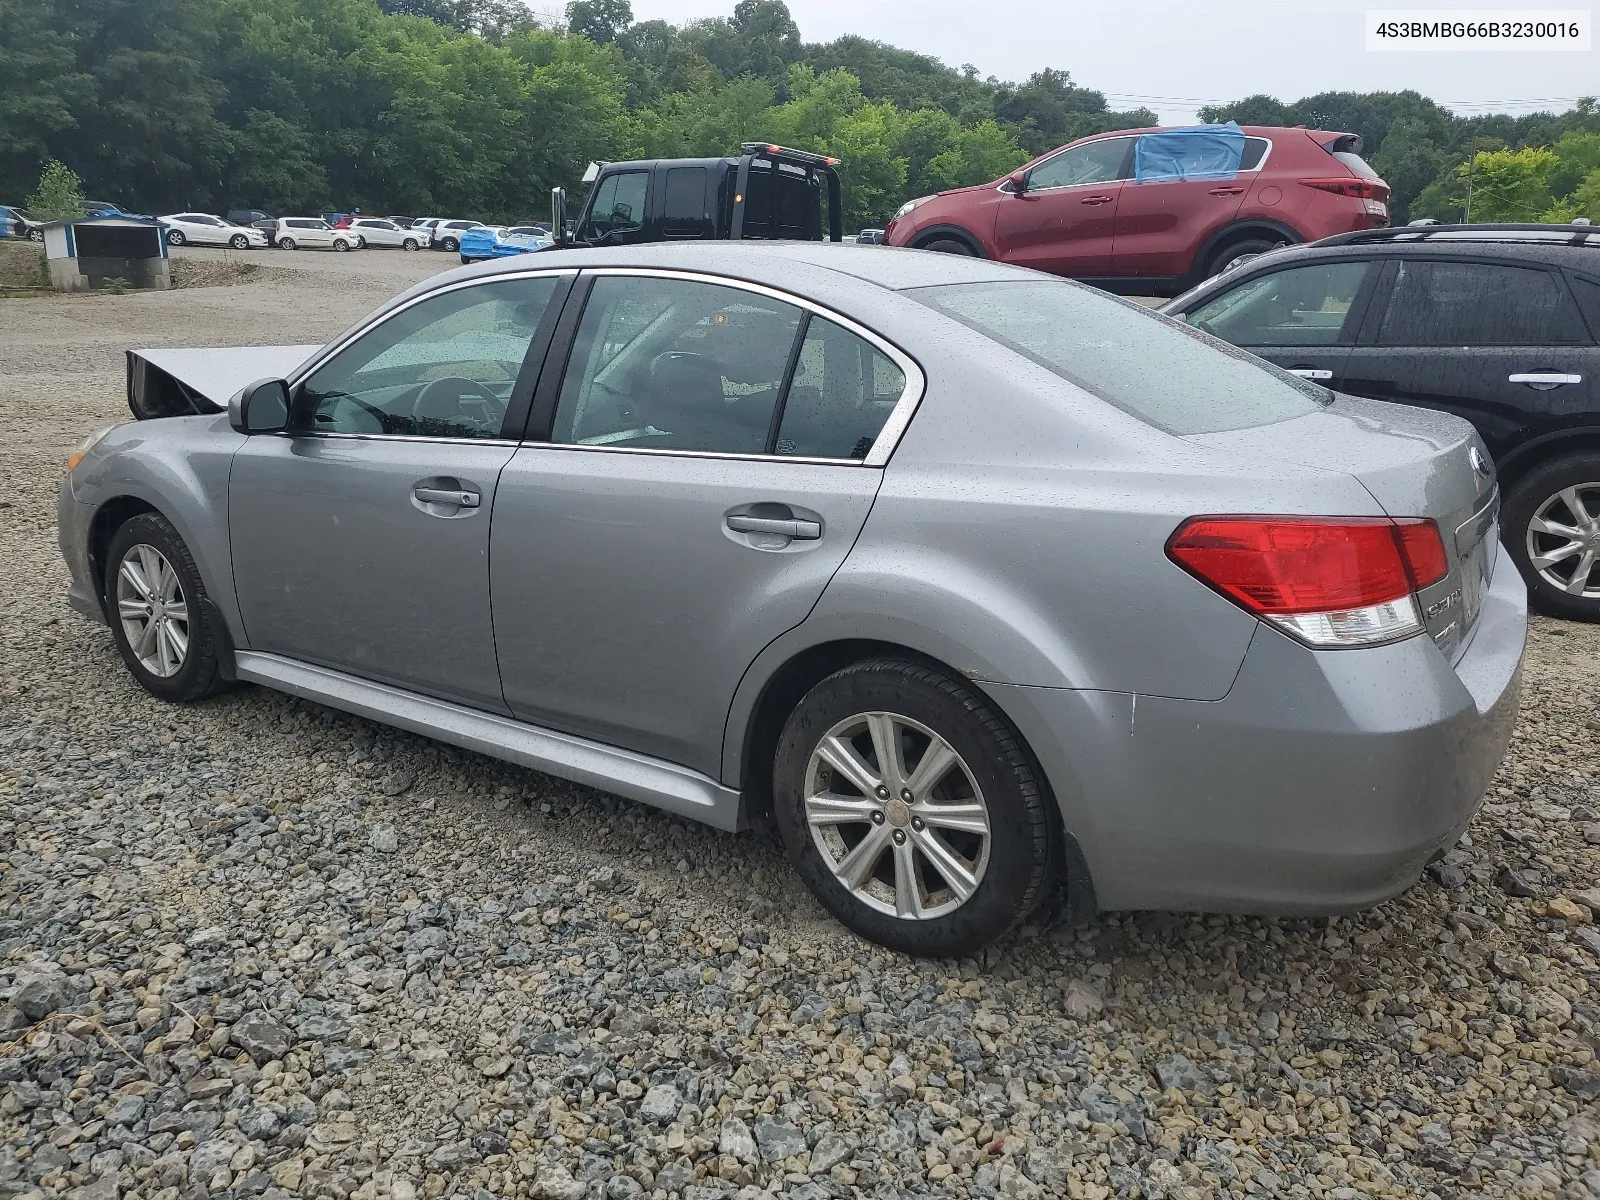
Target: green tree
{"x": 599, "y": 20}
{"x": 59, "y": 195}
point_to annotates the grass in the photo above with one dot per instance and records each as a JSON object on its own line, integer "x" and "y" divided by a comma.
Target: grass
{"x": 22, "y": 267}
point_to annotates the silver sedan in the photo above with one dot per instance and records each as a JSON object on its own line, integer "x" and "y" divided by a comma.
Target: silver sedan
{"x": 984, "y": 587}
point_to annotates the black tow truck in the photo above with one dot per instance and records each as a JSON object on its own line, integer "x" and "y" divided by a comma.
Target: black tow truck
{"x": 766, "y": 192}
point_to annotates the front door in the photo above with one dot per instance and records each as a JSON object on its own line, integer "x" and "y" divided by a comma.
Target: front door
{"x": 361, "y": 539}
{"x": 1301, "y": 318}
{"x": 1066, "y": 220}
{"x": 704, "y": 476}
{"x": 1501, "y": 345}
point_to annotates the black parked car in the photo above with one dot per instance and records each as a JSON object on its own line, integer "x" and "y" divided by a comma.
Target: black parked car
{"x": 256, "y": 219}
{"x": 1499, "y": 324}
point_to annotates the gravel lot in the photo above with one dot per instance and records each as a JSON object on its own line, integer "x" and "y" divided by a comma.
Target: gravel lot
{"x": 260, "y": 948}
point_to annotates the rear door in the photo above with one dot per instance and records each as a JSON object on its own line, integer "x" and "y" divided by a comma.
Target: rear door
{"x": 1066, "y": 221}
{"x": 1302, "y": 318}
{"x": 1161, "y": 224}
{"x": 702, "y": 470}
{"x": 1500, "y": 344}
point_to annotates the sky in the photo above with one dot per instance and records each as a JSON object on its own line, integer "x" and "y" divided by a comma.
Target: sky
{"x": 1173, "y": 56}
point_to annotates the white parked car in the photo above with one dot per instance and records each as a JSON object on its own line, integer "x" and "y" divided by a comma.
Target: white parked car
{"x": 202, "y": 229}
{"x": 423, "y": 228}
{"x": 447, "y": 234}
{"x": 313, "y": 232}
{"x": 375, "y": 231}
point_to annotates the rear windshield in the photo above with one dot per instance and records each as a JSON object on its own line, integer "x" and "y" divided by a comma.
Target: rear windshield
{"x": 1361, "y": 168}
{"x": 1158, "y": 369}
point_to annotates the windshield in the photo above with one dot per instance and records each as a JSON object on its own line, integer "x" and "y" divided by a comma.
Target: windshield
{"x": 1160, "y": 370}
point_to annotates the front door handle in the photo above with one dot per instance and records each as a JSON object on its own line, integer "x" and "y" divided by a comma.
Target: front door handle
{"x": 459, "y": 499}
{"x": 1097, "y": 200}
{"x": 1543, "y": 380}
{"x": 1310, "y": 373}
{"x": 791, "y": 528}
{"x": 1227, "y": 191}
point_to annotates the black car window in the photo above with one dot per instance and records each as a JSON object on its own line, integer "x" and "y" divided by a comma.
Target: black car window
{"x": 1436, "y": 303}
{"x": 1162, "y": 371}
{"x": 668, "y": 364}
{"x": 618, "y": 204}
{"x": 1255, "y": 149}
{"x": 1096, "y": 162}
{"x": 843, "y": 391}
{"x": 1588, "y": 293}
{"x": 444, "y": 367}
{"x": 1303, "y": 306}
{"x": 685, "y": 212}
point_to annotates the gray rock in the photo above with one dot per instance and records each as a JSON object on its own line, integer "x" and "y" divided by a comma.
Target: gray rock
{"x": 674, "y": 1177}
{"x": 383, "y": 838}
{"x": 735, "y": 1138}
{"x": 778, "y": 1140}
{"x": 1583, "y": 1084}
{"x": 829, "y": 1152}
{"x": 622, "y": 1187}
{"x": 208, "y": 1156}
{"x": 1516, "y": 881}
{"x": 42, "y": 995}
{"x": 322, "y": 1028}
{"x": 1179, "y": 1071}
{"x": 557, "y": 1041}
{"x": 262, "y": 1038}
{"x": 125, "y": 1110}
{"x": 660, "y": 1104}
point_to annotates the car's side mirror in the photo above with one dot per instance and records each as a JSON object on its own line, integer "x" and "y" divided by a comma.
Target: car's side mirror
{"x": 1018, "y": 182}
{"x": 558, "y": 215}
{"x": 262, "y": 407}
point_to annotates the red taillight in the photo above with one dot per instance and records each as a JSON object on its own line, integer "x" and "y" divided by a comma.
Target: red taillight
{"x": 1338, "y": 581}
{"x": 1349, "y": 185}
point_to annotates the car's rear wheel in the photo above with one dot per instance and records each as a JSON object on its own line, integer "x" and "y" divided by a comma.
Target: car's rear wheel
{"x": 409, "y": 244}
{"x": 239, "y": 242}
{"x": 286, "y": 243}
{"x": 911, "y": 810}
{"x": 1552, "y": 529}
{"x": 950, "y": 246}
{"x": 1236, "y": 254}
{"x": 157, "y": 606}
{"x": 361, "y": 241}
{"x": 175, "y": 237}
{"x": 450, "y": 245}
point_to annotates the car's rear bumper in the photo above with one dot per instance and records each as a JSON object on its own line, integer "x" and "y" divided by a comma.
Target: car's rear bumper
{"x": 1323, "y": 782}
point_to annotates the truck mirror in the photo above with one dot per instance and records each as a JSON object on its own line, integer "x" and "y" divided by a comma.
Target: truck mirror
{"x": 558, "y": 216}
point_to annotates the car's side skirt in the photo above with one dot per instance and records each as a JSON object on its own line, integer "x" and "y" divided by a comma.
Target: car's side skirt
{"x": 639, "y": 777}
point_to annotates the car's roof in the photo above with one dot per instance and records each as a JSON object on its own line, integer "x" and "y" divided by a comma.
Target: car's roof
{"x": 1553, "y": 251}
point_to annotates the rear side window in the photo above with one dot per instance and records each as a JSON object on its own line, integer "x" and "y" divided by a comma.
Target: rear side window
{"x": 1305, "y": 306}
{"x": 1588, "y": 293}
{"x": 843, "y": 391}
{"x": 1478, "y": 304}
{"x": 1255, "y": 149}
{"x": 685, "y": 213}
{"x": 1161, "y": 371}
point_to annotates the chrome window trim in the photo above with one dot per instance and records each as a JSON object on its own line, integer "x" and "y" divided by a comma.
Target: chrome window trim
{"x": 397, "y": 437}
{"x": 883, "y": 446}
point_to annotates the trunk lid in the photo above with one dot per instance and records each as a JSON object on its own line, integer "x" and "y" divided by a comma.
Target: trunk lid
{"x": 1414, "y": 463}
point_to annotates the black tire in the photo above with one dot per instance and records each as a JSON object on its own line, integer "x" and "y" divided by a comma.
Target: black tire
{"x": 409, "y": 244}
{"x": 465, "y": 261}
{"x": 341, "y": 246}
{"x": 950, "y": 246}
{"x": 1023, "y": 839}
{"x": 36, "y": 235}
{"x": 1541, "y": 489}
{"x": 175, "y": 237}
{"x": 199, "y": 674}
{"x": 1237, "y": 253}
{"x": 286, "y": 243}
{"x": 239, "y": 242}
{"x": 449, "y": 245}
{"x": 361, "y": 242}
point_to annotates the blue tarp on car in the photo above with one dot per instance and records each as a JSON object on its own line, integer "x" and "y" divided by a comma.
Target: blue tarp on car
{"x": 1197, "y": 152}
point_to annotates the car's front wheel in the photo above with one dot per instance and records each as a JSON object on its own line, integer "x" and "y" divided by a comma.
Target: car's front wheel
{"x": 1239, "y": 253}
{"x": 239, "y": 242}
{"x": 409, "y": 244}
{"x": 175, "y": 237}
{"x": 36, "y": 235}
{"x": 949, "y": 246}
{"x": 911, "y": 810}
{"x": 340, "y": 245}
{"x": 286, "y": 243}
{"x": 1552, "y": 529}
{"x": 156, "y": 602}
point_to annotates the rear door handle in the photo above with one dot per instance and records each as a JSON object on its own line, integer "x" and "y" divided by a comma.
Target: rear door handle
{"x": 1310, "y": 373}
{"x": 1543, "y": 380}
{"x": 1097, "y": 200}
{"x": 1227, "y": 191}
{"x": 429, "y": 495}
{"x": 799, "y": 530}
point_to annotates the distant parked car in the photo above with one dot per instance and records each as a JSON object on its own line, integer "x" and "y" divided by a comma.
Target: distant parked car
{"x": 870, "y": 237}
{"x": 377, "y": 231}
{"x": 1153, "y": 212}
{"x": 255, "y": 219}
{"x": 19, "y": 223}
{"x": 497, "y": 241}
{"x": 1497, "y": 324}
{"x": 403, "y": 222}
{"x": 295, "y": 232}
{"x": 203, "y": 229}
{"x": 101, "y": 208}
{"x": 447, "y": 234}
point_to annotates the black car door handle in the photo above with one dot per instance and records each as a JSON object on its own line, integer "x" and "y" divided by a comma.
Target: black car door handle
{"x": 800, "y": 530}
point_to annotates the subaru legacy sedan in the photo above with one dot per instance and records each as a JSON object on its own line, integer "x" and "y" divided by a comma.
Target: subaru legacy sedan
{"x": 983, "y": 586}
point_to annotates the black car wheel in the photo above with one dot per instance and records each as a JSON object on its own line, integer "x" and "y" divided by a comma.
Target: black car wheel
{"x": 949, "y": 246}
{"x": 450, "y": 245}
{"x": 1552, "y": 530}
{"x": 175, "y": 237}
{"x": 286, "y": 243}
{"x": 911, "y": 810}
{"x": 409, "y": 244}
{"x": 157, "y": 606}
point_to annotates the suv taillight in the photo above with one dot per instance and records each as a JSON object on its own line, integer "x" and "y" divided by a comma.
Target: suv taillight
{"x": 1361, "y": 189}
{"x": 1328, "y": 581}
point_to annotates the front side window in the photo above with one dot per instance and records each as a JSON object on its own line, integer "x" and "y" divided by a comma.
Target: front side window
{"x": 444, "y": 367}
{"x": 618, "y": 205}
{"x": 1306, "y": 306}
{"x": 843, "y": 391}
{"x": 1477, "y": 304}
{"x": 1096, "y": 162}
{"x": 1162, "y": 371}
{"x": 671, "y": 364}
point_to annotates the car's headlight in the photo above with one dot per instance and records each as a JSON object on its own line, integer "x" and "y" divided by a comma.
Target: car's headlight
{"x": 909, "y": 205}
{"x": 87, "y": 445}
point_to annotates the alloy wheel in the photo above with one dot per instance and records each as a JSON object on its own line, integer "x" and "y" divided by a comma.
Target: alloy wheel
{"x": 175, "y": 237}
{"x": 897, "y": 815}
{"x": 153, "y": 610}
{"x": 1564, "y": 540}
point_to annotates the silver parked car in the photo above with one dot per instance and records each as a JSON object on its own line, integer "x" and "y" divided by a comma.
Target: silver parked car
{"x": 982, "y": 583}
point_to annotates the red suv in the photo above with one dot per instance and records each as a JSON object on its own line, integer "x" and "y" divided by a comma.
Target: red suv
{"x": 1080, "y": 211}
